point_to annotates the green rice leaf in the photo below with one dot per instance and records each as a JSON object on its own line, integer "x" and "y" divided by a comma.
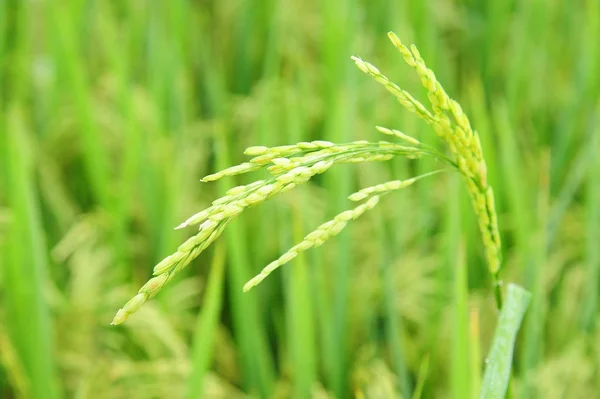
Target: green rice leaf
{"x": 499, "y": 361}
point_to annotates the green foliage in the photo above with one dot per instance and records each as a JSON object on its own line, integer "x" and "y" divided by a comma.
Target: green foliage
{"x": 111, "y": 112}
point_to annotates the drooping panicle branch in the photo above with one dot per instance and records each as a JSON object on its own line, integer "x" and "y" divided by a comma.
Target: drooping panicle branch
{"x": 288, "y": 166}
{"x": 453, "y": 126}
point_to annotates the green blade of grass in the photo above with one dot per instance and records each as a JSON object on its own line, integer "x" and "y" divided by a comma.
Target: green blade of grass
{"x": 459, "y": 375}
{"x": 25, "y": 268}
{"x": 519, "y": 197}
{"x": 394, "y": 325}
{"x": 499, "y": 361}
{"x": 339, "y": 182}
{"x": 27, "y": 313}
{"x": 340, "y": 100}
{"x": 267, "y": 129}
{"x": 169, "y": 171}
{"x": 568, "y": 192}
{"x": 12, "y": 372}
{"x": 534, "y": 337}
{"x": 64, "y": 17}
{"x": 244, "y": 67}
{"x": 590, "y": 306}
{"x": 254, "y": 353}
{"x": 572, "y": 125}
{"x": 300, "y": 319}
{"x": 206, "y": 327}
{"x": 421, "y": 378}
{"x": 474, "y": 353}
{"x": 128, "y": 182}
{"x": 497, "y": 17}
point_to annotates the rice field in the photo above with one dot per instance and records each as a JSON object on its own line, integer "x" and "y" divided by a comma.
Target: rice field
{"x": 111, "y": 113}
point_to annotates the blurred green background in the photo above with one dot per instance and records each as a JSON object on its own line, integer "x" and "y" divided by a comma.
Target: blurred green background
{"x": 111, "y": 111}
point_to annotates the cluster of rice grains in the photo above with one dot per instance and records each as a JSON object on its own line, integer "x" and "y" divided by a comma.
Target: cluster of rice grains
{"x": 291, "y": 165}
